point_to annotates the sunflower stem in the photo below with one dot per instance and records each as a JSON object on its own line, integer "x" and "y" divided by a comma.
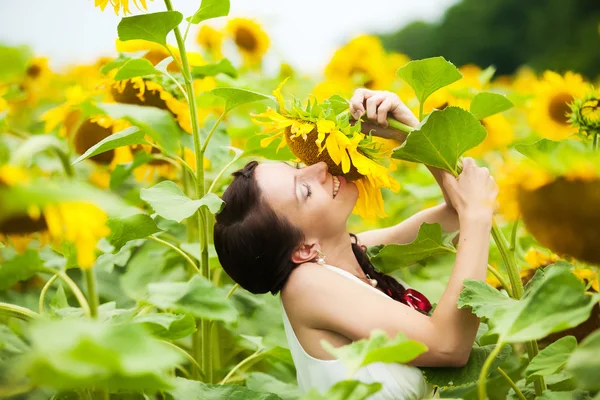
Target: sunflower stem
{"x": 212, "y": 131}
{"x": 92, "y": 292}
{"x": 201, "y": 339}
{"x": 595, "y": 142}
{"x": 74, "y": 288}
{"x": 12, "y": 310}
{"x": 395, "y": 124}
{"x": 187, "y": 258}
{"x": 44, "y": 291}
{"x": 481, "y": 384}
{"x": 512, "y": 384}
{"x": 501, "y": 279}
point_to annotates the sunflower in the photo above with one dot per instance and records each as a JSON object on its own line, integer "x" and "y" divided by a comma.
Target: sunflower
{"x": 211, "y": 40}
{"x": 119, "y": 5}
{"x": 147, "y": 92}
{"x": 322, "y": 132}
{"x": 549, "y": 109}
{"x": 558, "y": 200}
{"x": 95, "y": 129}
{"x": 250, "y": 39}
{"x": 585, "y": 113}
{"x": 500, "y": 134}
{"x": 67, "y": 114}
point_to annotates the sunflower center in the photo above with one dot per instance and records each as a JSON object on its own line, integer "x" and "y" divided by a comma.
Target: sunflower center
{"x": 22, "y": 225}
{"x": 368, "y": 82}
{"x": 33, "y": 71}
{"x": 245, "y": 39}
{"x": 559, "y": 107}
{"x": 90, "y": 133}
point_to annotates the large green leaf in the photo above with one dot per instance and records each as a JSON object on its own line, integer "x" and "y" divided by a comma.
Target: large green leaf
{"x": 556, "y": 302}
{"x": 345, "y": 390}
{"x": 134, "y": 68}
{"x": 429, "y": 242}
{"x": 198, "y": 297}
{"x": 442, "y": 138}
{"x": 167, "y": 326}
{"x": 551, "y": 359}
{"x": 193, "y": 390}
{"x": 156, "y": 123}
{"x": 261, "y": 382}
{"x": 167, "y": 199}
{"x": 428, "y": 75}
{"x": 126, "y": 137}
{"x": 210, "y": 9}
{"x": 235, "y": 96}
{"x": 485, "y": 104}
{"x": 144, "y": 267}
{"x": 377, "y": 348}
{"x": 584, "y": 363}
{"x": 224, "y": 66}
{"x": 153, "y": 27}
{"x": 136, "y": 226}
{"x": 79, "y": 353}
{"x": 454, "y": 377}
{"x": 19, "y": 268}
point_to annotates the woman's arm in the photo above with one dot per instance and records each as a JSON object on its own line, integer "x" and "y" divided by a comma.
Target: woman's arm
{"x": 323, "y": 299}
{"x": 378, "y": 105}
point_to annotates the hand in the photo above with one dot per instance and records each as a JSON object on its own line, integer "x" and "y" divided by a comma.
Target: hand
{"x": 378, "y": 104}
{"x": 473, "y": 194}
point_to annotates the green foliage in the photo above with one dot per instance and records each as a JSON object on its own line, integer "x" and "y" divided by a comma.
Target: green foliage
{"x": 584, "y": 363}
{"x": 429, "y": 242}
{"x": 14, "y": 62}
{"x": 377, "y": 348}
{"x": 555, "y": 302}
{"x": 210, "y": 9}
{"x": 134, "y": 68}
{"x": 486, "y": 104}
{"x": 167, "y": 199}
{"x": 427, "y": 76}
{"x": 126, "y": 137}
{"x": 19, "y": 268}
{"x": 153, "y": 27}
{"x": 36, "y": 144}
{"x": 192, "y": 390}
{"x": 236, "y": 97}
{"x": 455, "y": 377}
{"x": 75, "y": 354}
{"x": 223, "y": 66}
{"x": 345, "y": 390}
{"x": 442, "y": 138}
{"x": 551, "y": 359}
{"x": 261, "y": 382}
{"x": 198, "y": 297}
{"x": 136, "y": 226}
{"x": 167, "y": 326}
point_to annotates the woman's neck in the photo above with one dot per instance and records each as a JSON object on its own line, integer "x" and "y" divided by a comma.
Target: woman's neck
{"x": 338, "y": 252}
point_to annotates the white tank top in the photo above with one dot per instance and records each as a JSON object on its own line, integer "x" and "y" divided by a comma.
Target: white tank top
{"x": 399, "y": 381}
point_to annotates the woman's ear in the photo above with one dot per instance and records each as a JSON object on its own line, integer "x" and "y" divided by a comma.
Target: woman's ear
{"x": 305, "y": 253}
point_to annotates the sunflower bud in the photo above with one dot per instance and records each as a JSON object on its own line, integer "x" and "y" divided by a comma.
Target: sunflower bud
{"x": 585, "y": 113}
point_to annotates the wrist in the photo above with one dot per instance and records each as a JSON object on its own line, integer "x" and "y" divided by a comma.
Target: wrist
{"x": 476, "y": 218}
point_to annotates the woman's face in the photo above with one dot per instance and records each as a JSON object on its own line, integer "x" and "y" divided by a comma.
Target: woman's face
{"x": 308, "y": 197}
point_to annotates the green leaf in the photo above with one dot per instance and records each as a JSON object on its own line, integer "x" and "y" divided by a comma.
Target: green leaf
{"x": 429, "y": 242}
{"x": 235, "y": 97}
{"x": 153, "y": 27}
{"x": 442, "y": 138}
{"x": 193, "y": 390}
{"x": 261, "y": 382}
{"x": 198, "y": 297}
{"x": 134, "y": 68}
{"x": 19, "y": 268}
{"x": 14, "y": 62}
{"x": 144, "y": 267}
{"x": 224, "y": 66}
{"x": 36, "y": 144}
{"x": 126, "y": 137}
{"x": 377, "y": 348}
{"x": 167, "y": 326}
{"x": 551, "y": 359}
{"x": 454, "y": 377}
{"x": 571, "y": 395}
{"x": 542, "y": 146}
{"x": 428, "y": 75}
{"x": 584, "y": 363}
{"x": 485, "y": 104}
{"x": 345, "y": 390}
{"x": 80, "y": 354}
{"x": 136, "y": 226}
{"x": 210, "y": 9}
{"x": 557, "y": 301}
{"x": 167, "y": 199}
{"x": 158, "y": 124}
{"x": 59, "y": 300}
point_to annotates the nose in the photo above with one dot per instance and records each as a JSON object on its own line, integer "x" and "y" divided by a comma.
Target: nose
{"x": 319, "y": 170}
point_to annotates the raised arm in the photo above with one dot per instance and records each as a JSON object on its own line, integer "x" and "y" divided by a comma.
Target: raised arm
{"x": 326, "y": 300}
{"x": 377, "y": 106}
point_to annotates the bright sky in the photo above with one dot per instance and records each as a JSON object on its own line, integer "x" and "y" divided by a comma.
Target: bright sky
{"x": 303, "y": 33}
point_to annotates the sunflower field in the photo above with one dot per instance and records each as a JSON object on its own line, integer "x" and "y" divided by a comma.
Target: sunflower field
{"x": 111, "y": 175}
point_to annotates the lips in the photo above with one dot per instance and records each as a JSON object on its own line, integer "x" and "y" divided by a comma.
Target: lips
{"x": 338, "y": 181}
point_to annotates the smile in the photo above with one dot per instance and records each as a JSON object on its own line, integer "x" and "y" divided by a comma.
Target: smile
{"x": 336, "y": 186}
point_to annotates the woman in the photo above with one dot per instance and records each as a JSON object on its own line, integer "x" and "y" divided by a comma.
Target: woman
{"x": 284, "y": 230}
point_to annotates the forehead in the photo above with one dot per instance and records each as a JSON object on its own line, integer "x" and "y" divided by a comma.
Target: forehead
{"x": 276, "y": 181}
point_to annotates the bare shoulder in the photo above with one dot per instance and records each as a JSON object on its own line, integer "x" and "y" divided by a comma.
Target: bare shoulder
{"x": 304, "y": 278}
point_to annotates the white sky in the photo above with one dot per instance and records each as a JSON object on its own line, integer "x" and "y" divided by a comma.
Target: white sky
{"x": 303, "y": 33}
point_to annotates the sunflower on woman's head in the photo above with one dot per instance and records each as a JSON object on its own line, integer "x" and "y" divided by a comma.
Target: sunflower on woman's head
{"x": 322, "y": 132}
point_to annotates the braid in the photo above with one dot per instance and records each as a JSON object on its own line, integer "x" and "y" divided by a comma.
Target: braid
{"x": 390, "y": 286}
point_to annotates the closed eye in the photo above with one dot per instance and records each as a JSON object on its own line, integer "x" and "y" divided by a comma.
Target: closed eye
{"x": 308, "y": 190}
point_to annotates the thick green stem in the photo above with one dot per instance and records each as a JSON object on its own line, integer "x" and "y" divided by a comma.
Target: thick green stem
{"x": 11, "y": 310}
{"x": 501, "y": 279}
{"x": 513, "y": 236}
{"x": 512, "y": 384}
{"x": 481, "y": 384}
{"x": 92, "y": 292}
{"x": 392, "y": 123}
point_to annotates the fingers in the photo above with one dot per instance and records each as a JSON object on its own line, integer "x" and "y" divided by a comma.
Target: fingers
{"x": 373, "y": 103}
{"x": 357, "y": 107}
{"x": 383, "y": 110}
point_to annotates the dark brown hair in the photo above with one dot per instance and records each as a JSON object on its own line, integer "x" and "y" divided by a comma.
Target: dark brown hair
{"x": 255, "y": 245}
